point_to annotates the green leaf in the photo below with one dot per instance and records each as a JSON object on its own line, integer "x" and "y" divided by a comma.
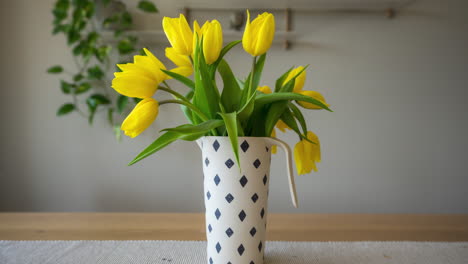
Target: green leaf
{"x": 55, "y": 69}
{"x": 231, "y": 95}
{"x": 161, "y": 142}
{"x": 100, "y": 99}
{"x": 274, "y": 114}
{"x": 263, "y": 99}
{"x": 204, "y": 127}
{"x": 147, "y": 6}
{"x": 65, "y": 109}
{"x": 78, "y": 77}
{"x": 298, "y": 115}
{"x": 280, "y": 80}
{"x": 246, "y": 111}
{"x": 289, "y": 86}
{"x": 189, "y": 83}
{"x": 258, "y": 71}
{"x": 83, "y": 88}
{"x": 288, "y": 119}
{"x": 125, "y": 46}
{"x": 102, "y": 52}
{"x": 73, "y": 36}
{"x": 230, "y": 121}
{"x": 126, "y": 19}
{"x": 95, "y": 73}
{"x": 122, "y": 102}
{"x": 66, "y": 87}
{"x": 187, "y": 112}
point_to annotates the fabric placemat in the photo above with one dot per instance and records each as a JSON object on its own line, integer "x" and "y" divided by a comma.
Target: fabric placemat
{"x": 193, "y": 252}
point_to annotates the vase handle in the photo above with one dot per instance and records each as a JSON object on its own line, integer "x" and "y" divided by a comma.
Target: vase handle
{"x": 287, "y": 151}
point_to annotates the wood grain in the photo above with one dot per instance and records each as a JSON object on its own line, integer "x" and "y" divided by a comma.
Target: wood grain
{"x": 287, "y": 227}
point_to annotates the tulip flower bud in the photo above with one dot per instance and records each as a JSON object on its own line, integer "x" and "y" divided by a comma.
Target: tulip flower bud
{"x": 307, "y": 154}
{"x": 212, "y": 34}
{"x": 259, "y": 34}
{"x": 144, "y": 113}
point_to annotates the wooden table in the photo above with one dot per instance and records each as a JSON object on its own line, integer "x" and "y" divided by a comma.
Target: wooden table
{"x": 288, "y": 227}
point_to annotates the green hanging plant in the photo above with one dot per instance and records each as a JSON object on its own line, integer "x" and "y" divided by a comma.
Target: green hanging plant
{"x": 83, "y": 23}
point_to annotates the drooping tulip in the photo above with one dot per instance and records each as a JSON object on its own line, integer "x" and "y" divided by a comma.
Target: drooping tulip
{"x": 183, "y": 63}
{"x": 141, "y": 117}
{"x": 306, "y": 154}
{"x": 258, "y": 34}
{"x": 179, "y": 34}
{"x": 141, "y": 78}
{"x": 300, "y": 80}
{"x": 315, "y": 95}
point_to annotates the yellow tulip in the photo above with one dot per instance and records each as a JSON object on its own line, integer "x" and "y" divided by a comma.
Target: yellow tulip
{"x": 259, "y": 34}
{"x": 141, "y": 78}
{"x": 264, "y": 89}
{"x": 179, "y": 34}
{"x": 212, "y": 34}
{"x": 315, "y": 95}
{"x": 307, "y": 154}
{"x": 144, "y": 113}
{"x": 300, "y": 80}
{"x": 282, "y": 126}
{"x": 274, "y": 148}
{"x": 183, "y": 63}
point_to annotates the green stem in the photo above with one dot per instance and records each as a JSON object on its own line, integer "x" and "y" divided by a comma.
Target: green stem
{"x": 189, "y": 105}
{"x": 174, "y": 93}
{"x": 252, "y": 73}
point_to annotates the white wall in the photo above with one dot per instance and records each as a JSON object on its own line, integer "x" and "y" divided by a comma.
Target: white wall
{"x": 396, "y": 142}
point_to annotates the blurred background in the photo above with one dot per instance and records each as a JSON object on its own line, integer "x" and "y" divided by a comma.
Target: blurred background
{"x": 396, "y": 142}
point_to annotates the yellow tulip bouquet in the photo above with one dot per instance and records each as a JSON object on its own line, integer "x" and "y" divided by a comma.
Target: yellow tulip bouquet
{"x": 240, "y": 108}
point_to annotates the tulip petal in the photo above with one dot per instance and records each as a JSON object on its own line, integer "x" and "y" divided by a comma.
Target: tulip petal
{"x": 134, "y": 85}
{"x": 315, "y": 95}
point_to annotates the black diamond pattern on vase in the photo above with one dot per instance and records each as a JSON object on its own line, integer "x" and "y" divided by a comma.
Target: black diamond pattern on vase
{"x": 257, "y": 163}
{"x": 260, "y": 246}
{"x": 207, "y": 162}
{"x": 265, "y": 178}
{"x": 217, "y": 214}
{"x": 242, "y": 215}
{"x": 241, "y": 249}
{"x": 262, "y": 213}
{"x": 251, "y": 262}
{"x": 244, "y": 146}
{"x": 216, "y": 145}
{"x": 208, "y": 195}
{"x": 254, "y": 198}
{"x": 211, "y": 261}
{"x": 209, "y": 228}
{"x": 267, "y": 149}
{"x": 218, "y": 247}
{"x": 229, "y": 232}
{"x": 253, "y": 231}
{"x": 229, "y": 198}
{"x": 229, "y": 163}
{"x": 243, "y": 181}
{"x": 217, "y": 179}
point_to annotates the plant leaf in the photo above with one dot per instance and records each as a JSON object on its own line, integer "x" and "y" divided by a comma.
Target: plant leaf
{"x": 263, "y": 99}
{"x": 231, "y": 95}
{"x": 100, "y": 99}
{"x": 82, "y": 88}
{"x": 187, "y": 112}
{"x": 280, "y": 80}
{"x": 230, "y": 121}
{"x": 189, "y": 83}
{"x": 161, "y": 142}
{"x": 55, "y": 69}
{"x": 204, "y": 127}
{"x": 147, "y": 6}
{"x": 66, "y": 87}
{"x": 298, "y": 115}
{"x": 65, "y": 109}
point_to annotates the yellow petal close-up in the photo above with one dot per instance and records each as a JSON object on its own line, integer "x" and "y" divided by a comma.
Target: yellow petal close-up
{"x": 179, "y": 34}
{"x": 258, "y": 34}
{"x": 141, "y": 117}
{"x": 264, "y": 89}
{"x": 316, "y": 95}
{"x": 307, "y": 154}
{"x": 183, "y": 63}
{"x": 300, "y": 80}
{"x": 282, "y": 126}
{"x": 134, "y": 85}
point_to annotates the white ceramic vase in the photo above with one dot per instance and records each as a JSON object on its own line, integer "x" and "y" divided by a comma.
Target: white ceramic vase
{"x": 236, "y": 198}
